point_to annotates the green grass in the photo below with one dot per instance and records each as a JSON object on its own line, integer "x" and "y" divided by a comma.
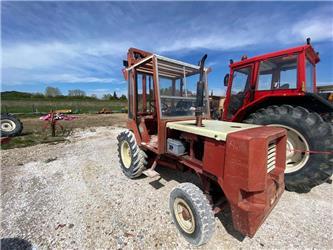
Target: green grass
{"x": 26, "y": 106}
{"x": 30, "y": 140}
{"x": 44, "y": 106}
{"x": 34, "y": 133}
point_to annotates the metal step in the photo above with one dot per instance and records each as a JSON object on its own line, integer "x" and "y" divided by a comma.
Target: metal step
{"x": 151, "y": 173}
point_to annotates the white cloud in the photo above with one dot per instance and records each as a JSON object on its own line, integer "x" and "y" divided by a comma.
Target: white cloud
{"x": 69, "y": 78}
{"x": 254, "y": 29}
{"x": 44, "y": 55}
{"x": 103, "y": 48}
{"x": 31, "y": 56}
{"x": 57, "y": 78}
{"x": 62, "y": 62}
{"x": 81, "y": 52}
{"x": 319, "y": 29}
{"x": 316, "y": 24}
{"x": 212, "y": 41}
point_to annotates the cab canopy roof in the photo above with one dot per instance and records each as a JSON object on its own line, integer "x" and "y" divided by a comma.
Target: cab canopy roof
{"x": 311, "y": 53}
{"x": 167, "y": 67}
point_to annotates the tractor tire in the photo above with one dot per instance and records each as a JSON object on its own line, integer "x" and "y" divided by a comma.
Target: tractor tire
{"x": 192, "y": 213}
{"x": 133, "y": 160}
{"x": 307, "y": 131}
{"x": 10, "y": 125}
{"x": 328, "y": 117}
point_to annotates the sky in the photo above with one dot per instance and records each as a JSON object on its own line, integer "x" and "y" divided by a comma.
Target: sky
{"x": 81, "y": 45}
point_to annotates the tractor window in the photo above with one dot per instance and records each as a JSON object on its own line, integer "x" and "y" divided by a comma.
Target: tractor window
{"x": 309, "y": 76}
{"x": 265, "y": 81}
{"x": 278, "y": 73}
{"x": 177, "y": 97}
{"x": 240, "y": 79}
{"x": 139, "y": 92}
{"x": 170, "y": 87}
{"x": 145, "y": 93}
{"x": 130, "y": 94}
{"x": 177, "y": 85}
{"x": 240, "y": 84}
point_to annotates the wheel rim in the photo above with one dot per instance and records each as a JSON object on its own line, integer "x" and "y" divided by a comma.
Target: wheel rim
{"x": 126, "y": 155}
{"x": 184, "y": 215}
{"x": 7, "y": 125}
{"x": 297, "y": 149}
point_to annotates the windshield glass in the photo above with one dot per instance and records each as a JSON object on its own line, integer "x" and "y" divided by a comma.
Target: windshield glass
{"x": 278, "y": 73}
{"x": 178, "y": 87}
{"x": 309, "y": 76}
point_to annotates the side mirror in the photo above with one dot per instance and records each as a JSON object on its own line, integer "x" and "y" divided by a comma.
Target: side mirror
{"x": 226, "y": 80}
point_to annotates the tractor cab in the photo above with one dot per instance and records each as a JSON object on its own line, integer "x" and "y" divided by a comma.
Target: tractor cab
{"x": 285, "y": 73}
{"x": 162, "y": 90}
{"x": 279, "y": 89}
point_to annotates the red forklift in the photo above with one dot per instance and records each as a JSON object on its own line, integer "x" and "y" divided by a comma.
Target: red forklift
{"x": 169, "y": 125}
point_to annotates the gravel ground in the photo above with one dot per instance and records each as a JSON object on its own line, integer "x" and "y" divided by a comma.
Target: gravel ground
{"x": 73, "y": 195}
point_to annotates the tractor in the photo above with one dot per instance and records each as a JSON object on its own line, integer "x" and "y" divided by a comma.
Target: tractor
{"x": 279, "y": 89}
{"x": 237, "y": 165}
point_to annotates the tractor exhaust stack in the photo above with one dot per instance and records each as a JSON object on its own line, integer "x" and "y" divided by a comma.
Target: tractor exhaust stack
{"x": 200, "y": 93}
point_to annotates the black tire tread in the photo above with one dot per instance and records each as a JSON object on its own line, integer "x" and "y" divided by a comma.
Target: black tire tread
{"x": 19, "y": 126}
{"x": 139, "y": 157}
{"x": 203, "y": 208}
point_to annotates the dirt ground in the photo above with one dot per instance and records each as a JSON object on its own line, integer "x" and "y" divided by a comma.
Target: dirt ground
{"x": 73, "y": 195}
{"x": 82, "y": 121}
{"x": 34, "y": 132}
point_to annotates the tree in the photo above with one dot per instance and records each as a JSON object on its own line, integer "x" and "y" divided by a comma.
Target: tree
{"x": 38, "y": 95}
{"x": 115, "y": 97}
{"x": 107, "y": 97}
{"x": 52, "y": 92}
{"x": 94, "y": 96}
{"x": 123, "y": 98}
{"x": 76, "y": 92}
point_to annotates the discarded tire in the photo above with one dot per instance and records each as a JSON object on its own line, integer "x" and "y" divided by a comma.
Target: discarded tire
{"x": 10, "y": 125}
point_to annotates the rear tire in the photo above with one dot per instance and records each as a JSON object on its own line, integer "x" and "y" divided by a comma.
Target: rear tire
{"x": 192, "y": 213}
{"x": 10, "y": 125}
{"x": 317, "y": 136}
{"x": 132, "y": 159}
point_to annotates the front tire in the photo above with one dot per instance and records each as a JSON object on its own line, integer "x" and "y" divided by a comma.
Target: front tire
{"x": 307, "y": 131}
{"x": 132, "y": 159}
{"x": 192, "y": 213}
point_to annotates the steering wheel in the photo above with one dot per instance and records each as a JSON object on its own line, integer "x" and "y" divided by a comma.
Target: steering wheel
{"x": 164, "y": 106}
{"x": 183, "y": 105}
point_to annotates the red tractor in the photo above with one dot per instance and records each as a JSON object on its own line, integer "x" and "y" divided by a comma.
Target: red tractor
{"x": 279, "y": 89}
{"x": 168, "y": 125}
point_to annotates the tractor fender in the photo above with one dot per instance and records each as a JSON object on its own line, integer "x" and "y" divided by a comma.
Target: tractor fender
{"x": 311, "y": 101}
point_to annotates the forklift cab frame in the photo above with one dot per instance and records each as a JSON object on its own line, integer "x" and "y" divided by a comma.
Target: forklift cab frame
{"x": 160, "y": 90}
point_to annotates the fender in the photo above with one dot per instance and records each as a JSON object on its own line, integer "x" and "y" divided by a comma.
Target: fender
{"x": 310, "y": 101}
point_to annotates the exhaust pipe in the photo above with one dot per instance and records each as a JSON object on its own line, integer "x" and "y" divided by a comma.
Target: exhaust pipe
{"x": 200, "y": 93}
